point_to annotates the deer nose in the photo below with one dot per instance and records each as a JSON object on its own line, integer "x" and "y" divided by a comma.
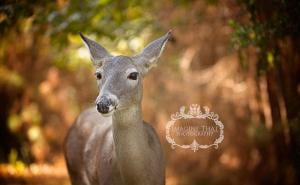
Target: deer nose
{"x": 102, "y": 108}
{"x": 105, "y": 104}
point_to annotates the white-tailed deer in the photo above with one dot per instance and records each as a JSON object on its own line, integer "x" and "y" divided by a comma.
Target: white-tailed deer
{"x": 116, "y": 147}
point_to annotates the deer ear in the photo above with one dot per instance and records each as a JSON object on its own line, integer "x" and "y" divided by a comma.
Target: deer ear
{"x": 151, "y": 53}
{"x": 97, "y": 52}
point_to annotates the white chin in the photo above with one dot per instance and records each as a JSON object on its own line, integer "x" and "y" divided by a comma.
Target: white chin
{"x": 108, "y": 114}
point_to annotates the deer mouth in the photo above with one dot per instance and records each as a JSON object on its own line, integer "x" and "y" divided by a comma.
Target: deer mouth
{"x": 110, "y": 112}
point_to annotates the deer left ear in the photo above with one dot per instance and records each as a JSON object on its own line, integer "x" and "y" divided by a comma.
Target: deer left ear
{"x": 148, "y": 58}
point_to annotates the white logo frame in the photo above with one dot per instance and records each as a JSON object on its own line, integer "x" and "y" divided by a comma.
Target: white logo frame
{"x": 195, "y": 112}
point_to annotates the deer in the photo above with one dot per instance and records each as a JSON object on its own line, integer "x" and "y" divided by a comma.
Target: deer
{"x": 110, "y": 144}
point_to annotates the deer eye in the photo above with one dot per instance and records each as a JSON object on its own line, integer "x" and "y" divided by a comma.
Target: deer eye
{"x": 133, "y": 75}
{"x": 98, "y": 76}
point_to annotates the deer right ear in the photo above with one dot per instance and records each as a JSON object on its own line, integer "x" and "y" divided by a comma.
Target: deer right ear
{"x": 97, "y": 52}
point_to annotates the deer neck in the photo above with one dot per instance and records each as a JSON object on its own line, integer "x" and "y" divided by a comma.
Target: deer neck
{"x": 130, "y": 141}
{"x": 127, "y": 118}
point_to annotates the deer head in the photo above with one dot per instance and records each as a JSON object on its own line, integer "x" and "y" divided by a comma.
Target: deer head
{"x": 120, "y": 77}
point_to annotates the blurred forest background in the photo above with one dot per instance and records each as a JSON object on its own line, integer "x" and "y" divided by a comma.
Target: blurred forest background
{"x": 240, "y": 58}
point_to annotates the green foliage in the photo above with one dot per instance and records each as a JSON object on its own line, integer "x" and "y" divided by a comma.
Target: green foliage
{"x": 246, "y": 35}
{"x": 11, "y": 13}
{"x": 270, "y": 21}
{"x": 57, "y": 20}
{"x": 13, "y": 159}
{"x": 10, "y": 78}
{"x": 105, "y": 18}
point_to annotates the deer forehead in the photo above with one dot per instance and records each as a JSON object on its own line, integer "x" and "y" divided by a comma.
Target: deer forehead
{"x": 118, "y": 65}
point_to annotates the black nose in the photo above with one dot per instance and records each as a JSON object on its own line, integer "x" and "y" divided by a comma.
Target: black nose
{"x": 102, "y": 108}
{"x": 104, "y": 104}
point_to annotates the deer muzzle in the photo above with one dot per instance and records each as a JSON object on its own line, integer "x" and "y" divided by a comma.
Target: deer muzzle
{"x": 106, "y": 104}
